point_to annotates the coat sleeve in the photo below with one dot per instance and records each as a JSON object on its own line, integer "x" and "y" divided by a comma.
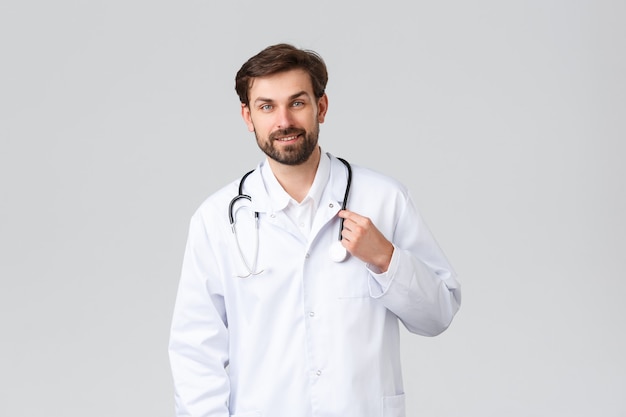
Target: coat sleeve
{"x": 198, "y": 346}
{"x": 420, "y": 285}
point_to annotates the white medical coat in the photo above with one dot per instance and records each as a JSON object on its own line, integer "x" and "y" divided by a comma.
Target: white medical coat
{"x": 308, "y": 337}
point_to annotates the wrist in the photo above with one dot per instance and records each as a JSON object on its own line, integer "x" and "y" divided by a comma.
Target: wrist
{"x": 384, "y": 258}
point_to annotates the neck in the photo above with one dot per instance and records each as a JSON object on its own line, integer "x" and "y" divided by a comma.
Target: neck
{"x": 296, "y": 180}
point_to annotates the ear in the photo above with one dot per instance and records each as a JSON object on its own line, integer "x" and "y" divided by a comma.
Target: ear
{"x": 322, "y": 108}
{"x": 247, "y": 118}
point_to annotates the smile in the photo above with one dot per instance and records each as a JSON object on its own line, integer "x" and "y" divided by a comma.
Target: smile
{"x": 287, "y": 138}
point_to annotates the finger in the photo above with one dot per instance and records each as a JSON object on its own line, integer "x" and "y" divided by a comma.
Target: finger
{"x": 344, "y": 214}
{"x": 350, "y": 215}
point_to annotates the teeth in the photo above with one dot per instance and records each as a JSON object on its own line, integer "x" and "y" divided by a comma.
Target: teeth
{"x": 287, "y": 138}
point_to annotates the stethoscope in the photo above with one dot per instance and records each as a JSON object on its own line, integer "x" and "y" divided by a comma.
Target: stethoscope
{"x": 336, "y": 251}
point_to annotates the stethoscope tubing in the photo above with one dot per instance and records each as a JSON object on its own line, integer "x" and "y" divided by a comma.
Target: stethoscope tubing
{"x": 344, "y": 203}
{"x": 231, "y": 218}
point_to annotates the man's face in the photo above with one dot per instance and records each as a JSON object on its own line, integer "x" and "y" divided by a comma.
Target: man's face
{"x": 285, "y": 116}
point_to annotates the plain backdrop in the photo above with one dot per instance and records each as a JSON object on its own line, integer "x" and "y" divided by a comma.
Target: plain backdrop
{"x": 506, "y": 119}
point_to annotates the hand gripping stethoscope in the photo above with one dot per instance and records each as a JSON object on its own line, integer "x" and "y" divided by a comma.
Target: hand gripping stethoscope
{"x": 336, "y": 251}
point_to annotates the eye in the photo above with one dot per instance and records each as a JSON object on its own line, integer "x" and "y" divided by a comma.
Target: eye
{"x": 297, "y": 104}
{"x": 266, "y": 107}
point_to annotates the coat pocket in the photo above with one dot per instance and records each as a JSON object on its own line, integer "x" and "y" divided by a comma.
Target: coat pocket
{"x": 393, "y": 406}
{"x": 352, "y": 280}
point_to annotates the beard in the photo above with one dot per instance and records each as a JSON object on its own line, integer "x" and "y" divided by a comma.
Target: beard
{"x": 291, "y": 154}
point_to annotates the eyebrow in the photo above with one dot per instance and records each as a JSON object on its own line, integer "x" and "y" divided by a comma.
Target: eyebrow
{"x": 291, "y": 97}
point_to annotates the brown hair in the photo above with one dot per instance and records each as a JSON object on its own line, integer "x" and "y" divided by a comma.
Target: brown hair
{"x": 278, "y": 58}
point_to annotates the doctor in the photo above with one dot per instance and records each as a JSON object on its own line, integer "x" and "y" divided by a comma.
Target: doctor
{"x": 267, "y": 323}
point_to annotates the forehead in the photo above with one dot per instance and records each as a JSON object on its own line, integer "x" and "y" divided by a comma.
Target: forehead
{"x": 281, "y": 85}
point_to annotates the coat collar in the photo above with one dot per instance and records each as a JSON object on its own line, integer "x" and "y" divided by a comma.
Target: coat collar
{"x": 333, "y": 191}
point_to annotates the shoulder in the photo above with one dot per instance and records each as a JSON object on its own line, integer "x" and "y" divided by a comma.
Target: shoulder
{"x": 216, "y": 204}
{"x": 366, "y": 176}
{"x": 377, "y": 177}
{"x": 376, "y": 195}
{"x": 375, "y": 182}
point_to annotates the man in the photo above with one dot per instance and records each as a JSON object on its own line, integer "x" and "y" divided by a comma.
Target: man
{"x": 265, "y": 322}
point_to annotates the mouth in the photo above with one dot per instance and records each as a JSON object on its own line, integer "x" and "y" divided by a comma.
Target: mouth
{"x": 287, "y": 138}
{"x": 288, "y": 135}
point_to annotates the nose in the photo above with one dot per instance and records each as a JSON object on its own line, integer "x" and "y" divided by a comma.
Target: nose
{"x": 284, "y": 118}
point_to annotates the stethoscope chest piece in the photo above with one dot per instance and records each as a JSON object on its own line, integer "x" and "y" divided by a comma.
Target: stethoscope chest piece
{"x": 337, "y": 252}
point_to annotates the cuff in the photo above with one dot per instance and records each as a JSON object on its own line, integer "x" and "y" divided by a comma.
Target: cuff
{"x": 379, "y": 282}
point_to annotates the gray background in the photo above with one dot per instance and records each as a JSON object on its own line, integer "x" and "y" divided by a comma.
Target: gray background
{"x": 505, "y": 119}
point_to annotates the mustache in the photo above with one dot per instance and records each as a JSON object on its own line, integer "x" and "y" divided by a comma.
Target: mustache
{"x": 292, "y": 131}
